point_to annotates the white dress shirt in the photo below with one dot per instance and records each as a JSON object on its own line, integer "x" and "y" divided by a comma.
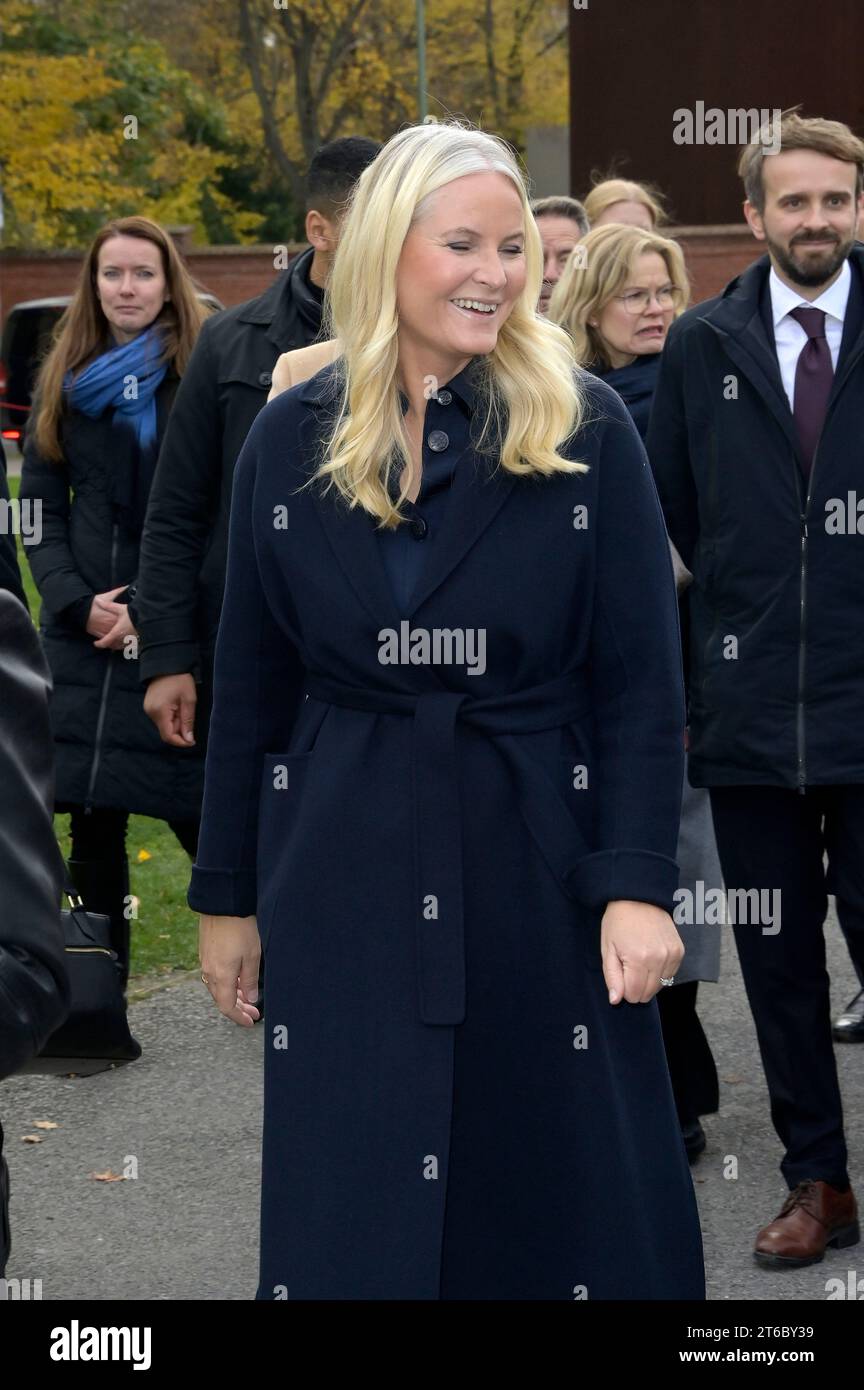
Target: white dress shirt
{"x": 789, "y": 336}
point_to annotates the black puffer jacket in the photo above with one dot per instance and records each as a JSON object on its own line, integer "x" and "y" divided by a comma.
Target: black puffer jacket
{"x": 109, "y": 753}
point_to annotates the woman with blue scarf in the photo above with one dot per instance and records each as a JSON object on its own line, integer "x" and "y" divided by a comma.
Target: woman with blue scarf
{"x": 101, "y": 407}
{"x": 621, "y": 290}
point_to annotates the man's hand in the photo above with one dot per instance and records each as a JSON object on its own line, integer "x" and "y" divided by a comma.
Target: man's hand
{"x": 170, "y": 702}
{"x": 639, "y": 944}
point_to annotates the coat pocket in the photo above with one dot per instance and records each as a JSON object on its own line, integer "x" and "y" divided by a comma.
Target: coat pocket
{"x": 588, "y": 926}
{"x": 283, "y": 779}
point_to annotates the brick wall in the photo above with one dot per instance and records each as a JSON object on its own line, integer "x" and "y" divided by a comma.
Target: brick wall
{"x": 235, "y": 273}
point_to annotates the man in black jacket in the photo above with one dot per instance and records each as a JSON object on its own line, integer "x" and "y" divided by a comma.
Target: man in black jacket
{"x": 34, "y": 988}
{"x": 181, "y": 578}
{"x": 756, "y": 443}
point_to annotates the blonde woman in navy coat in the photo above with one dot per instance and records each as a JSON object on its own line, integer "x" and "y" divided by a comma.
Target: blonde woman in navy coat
{"x": 443, "y": 781}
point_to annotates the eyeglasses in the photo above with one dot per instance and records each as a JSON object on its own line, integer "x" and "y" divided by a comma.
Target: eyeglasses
{"x": 637, "y": 301}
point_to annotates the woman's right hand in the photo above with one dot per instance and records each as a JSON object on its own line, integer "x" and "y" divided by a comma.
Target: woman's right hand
{"x": 104, "y": 612}
{"x": 229, "y": 949}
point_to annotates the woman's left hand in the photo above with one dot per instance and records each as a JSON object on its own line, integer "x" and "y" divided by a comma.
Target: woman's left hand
{"x": 639, "y": 944}
{"x": 122, "y": 628}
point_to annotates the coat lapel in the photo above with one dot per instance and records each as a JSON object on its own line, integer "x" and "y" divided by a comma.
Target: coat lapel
{"x": 351, "y": 533}
{"x": 852, "y": 345}
{"x": 476, "y": 497}
{"x": 477, "y": 494}
{"x": 737, "y": 320}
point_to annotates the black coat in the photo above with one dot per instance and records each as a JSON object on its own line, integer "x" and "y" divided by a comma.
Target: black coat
{"x": 34, "y": 987}
{"x": 109, "y": 753}
{"x": 183, "y": 551}
{"x": 777, "y": 637}
{"x": 34, "y": 990}
{"x": 635, "y": 384}
{"x": 429, "y": 875}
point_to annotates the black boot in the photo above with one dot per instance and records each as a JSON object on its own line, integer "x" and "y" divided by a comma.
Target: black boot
{"x": 104, "y": 887}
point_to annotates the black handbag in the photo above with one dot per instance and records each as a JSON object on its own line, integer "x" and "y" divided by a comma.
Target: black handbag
{"x": 97, "y": 1026}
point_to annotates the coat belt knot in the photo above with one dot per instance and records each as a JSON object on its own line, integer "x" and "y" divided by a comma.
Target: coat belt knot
{"x": 439, "y": 903}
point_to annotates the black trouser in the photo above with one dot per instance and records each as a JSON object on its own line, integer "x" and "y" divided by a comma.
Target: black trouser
{"x": 773, "y": 839}
{"x": 100, "y": 869}
{"x": 692, "y": 1070}
{"x": 101, "y": 833}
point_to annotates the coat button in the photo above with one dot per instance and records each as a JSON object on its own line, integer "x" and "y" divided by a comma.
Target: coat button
{"x": 445, "y": 397}
{"x": 265, "y": 379}
{"x": 438, "y": 441}
{"x": 419, "y": 528}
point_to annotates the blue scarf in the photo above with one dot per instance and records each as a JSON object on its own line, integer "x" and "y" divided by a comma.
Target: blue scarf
{"x": 105, "y": 382}
{"x": 136, "y": 370}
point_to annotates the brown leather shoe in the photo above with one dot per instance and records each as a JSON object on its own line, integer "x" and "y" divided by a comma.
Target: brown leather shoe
{"x": 814, "y": 1215}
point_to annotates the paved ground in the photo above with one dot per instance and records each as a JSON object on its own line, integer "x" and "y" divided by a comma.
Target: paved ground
{"x": 189, "y": 1112}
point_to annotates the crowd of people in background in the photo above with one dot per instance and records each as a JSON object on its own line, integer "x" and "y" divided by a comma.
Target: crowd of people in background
{"x": 749, "y": 410}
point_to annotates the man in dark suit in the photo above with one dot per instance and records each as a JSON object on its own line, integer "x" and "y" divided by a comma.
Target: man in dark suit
{"x": 755, "y": 440}
{"x": 178, "y": 596}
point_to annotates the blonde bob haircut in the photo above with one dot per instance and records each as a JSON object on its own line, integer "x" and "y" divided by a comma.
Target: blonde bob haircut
{"x": 598, "y": 269}
{"x": 529, "y": 380}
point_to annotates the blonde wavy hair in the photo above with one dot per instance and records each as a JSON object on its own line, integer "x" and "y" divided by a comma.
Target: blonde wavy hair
{"x": 529, "y": 380}
{"x": 598, "y": 269}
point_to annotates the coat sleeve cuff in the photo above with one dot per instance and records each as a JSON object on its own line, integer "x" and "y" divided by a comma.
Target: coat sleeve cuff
{"x": 223, "y": 892}
{"x": 167, "y": 659}
{"x": 633, "y": 874}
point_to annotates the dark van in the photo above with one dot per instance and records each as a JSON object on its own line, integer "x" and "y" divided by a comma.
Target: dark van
{"x": 27, "y": 336}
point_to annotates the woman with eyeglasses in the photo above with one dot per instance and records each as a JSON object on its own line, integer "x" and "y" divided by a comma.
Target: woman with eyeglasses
{"x": 620, "y": 291}
{"x": 618, "y": 296}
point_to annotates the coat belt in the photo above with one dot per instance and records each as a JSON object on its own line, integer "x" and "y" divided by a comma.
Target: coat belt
{"x": 439, "y": 904}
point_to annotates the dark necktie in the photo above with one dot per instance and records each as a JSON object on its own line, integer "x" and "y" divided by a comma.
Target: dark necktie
{"x": 814, "y": 377}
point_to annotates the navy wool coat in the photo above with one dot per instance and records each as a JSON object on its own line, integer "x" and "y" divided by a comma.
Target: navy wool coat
{"x": 453, "y": 1109}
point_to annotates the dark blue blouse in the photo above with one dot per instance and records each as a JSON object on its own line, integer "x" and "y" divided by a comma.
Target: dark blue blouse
{"x": 446, "y": 438}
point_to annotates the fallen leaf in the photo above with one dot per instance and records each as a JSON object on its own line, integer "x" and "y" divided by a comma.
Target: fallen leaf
{"x": 45, "y": 1124}
{"x": 31, "y": 1138}
{"x": 143, "y": 855}
{"x": 108, "y": 1176}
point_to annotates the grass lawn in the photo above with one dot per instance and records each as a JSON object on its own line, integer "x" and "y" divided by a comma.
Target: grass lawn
{"x": 165, "y": 932}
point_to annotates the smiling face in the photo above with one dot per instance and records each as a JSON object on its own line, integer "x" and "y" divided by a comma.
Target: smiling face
{"x": 810, "y": 215}
{"x": 627, "y": 334}
{"x": 461, "y": 269}
{"x": 559, "y": 235}
{"x": 130, "y": 284}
